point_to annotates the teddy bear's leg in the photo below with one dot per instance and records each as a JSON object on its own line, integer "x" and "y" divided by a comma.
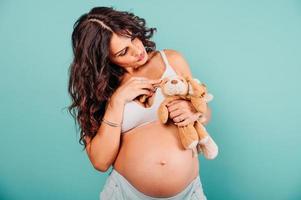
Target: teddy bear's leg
{"x": 202, "y": 132}
{"x": 162, "y": 111}
{"x": 207, "y": 146}
{"x": 188, "y": 136}
{"x": 210, "y": 149}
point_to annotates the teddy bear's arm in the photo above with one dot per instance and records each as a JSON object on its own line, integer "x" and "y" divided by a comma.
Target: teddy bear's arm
{"x": 163, "y": 113}
{"x": 210, "y": 149}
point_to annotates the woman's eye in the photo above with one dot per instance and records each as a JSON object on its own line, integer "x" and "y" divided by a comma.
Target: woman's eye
{"x": 132, "y": 38}
{"x": 124, "y": 52}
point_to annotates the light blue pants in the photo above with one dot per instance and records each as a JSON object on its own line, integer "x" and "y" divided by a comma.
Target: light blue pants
{"x": 118, "y": 188}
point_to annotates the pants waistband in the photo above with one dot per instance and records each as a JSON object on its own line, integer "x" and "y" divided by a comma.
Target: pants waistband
{"x": 118, "y": 178}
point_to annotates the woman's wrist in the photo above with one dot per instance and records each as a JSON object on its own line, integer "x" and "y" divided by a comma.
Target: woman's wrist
{"x": 113, "y": 114}
{"x": 116, "y": 101}
{"x": 110, "y": 123}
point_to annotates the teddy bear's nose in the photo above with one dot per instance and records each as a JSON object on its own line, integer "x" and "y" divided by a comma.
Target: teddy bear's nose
{"x": 174, "y": 82}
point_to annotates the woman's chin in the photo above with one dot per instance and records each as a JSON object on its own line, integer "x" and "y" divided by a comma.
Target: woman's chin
{"x": 140, "y": 63}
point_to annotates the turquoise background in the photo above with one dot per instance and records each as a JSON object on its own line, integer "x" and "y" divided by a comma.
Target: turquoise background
{"x": 248, "y": 53}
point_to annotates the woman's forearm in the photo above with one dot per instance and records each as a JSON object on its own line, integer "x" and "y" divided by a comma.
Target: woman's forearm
{"x": 105, "y": 145}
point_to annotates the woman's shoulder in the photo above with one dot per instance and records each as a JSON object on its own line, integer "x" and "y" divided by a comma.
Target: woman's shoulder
{"x": 178, "y": 62}
{"x": 172, "y": 53}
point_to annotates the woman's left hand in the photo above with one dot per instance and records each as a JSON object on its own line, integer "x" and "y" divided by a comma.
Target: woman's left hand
{"x": 182, "y": 112}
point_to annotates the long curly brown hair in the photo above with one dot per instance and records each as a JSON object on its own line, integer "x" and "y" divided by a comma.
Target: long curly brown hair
{"x": 92, "y": 77}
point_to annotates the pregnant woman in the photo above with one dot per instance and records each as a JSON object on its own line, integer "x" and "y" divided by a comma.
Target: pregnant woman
{"x": 114, "y": 62}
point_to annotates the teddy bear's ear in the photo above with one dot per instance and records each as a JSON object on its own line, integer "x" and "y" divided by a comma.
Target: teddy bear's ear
{"x": 187, "y": 78}
{"x": 196, "y": 81}
{"x": 190, "y": 79}
{"x": 194, "y": 85}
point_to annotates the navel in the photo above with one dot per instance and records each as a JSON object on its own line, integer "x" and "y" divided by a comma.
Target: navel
{"x": 163, "y": 162}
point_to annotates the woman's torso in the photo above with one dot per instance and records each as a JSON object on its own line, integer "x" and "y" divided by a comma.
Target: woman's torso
{"x": 151, "y": 156}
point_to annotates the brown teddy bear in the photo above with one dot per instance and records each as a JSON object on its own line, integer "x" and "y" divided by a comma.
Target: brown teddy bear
{"x": 194, "y": 135}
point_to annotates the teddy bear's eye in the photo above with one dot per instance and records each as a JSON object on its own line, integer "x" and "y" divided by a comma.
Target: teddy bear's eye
{"x": 182, "y": 80}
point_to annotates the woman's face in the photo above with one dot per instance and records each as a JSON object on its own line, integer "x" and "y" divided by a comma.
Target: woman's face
{"x": 127, "y": 52}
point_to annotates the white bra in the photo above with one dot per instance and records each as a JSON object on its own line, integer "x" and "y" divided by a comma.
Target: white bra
{"x": 134, "y": 115}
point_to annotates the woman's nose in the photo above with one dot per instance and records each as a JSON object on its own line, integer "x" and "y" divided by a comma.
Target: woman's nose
{"x": 137, "y": 52}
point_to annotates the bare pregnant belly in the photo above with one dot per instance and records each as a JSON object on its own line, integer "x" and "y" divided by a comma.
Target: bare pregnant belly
{"x": 153, "y": 160}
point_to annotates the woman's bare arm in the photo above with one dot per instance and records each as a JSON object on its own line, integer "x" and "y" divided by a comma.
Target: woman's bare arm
{"x": 181, "y": 66}
{"x": 103, "y": 148}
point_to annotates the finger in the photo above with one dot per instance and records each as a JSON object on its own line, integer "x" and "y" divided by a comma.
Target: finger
{"x": 146, "y": 85}
{"x": 154, "y": 81}
{"x": 173, "y": 107}
{"x": 181, "y": 103}
{"x": 177, "y": 106}
{"x": 175, "y": 113}
{"x": 174, "y": 102}
{"x": 143, "y": 91}
{"x": 180, "y": 118}
{"x": 183, "y": 123}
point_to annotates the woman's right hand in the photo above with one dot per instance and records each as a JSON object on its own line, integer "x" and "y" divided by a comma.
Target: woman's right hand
{"x": 134, "y": 87}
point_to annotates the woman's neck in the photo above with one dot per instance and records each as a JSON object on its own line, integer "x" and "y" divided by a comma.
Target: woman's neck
{"x": 142, "y": 68}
